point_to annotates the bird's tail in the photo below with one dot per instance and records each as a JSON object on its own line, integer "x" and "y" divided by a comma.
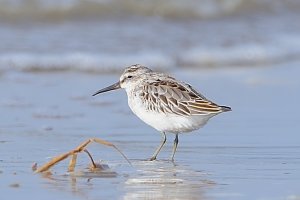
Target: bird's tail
{"x": 225, "y": 108}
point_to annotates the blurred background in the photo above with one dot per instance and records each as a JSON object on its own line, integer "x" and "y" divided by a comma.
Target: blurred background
{"x": 105, "y": 35}
{"x": 54, "y": 54}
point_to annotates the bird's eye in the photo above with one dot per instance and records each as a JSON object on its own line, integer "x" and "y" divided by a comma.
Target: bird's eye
{"x": 129, "y": 76}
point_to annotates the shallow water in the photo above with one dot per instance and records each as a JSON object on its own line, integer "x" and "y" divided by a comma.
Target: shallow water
{"x": 249, "y": 153}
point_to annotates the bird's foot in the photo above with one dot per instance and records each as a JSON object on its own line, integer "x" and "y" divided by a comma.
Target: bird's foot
{"x": 152, "y": 158}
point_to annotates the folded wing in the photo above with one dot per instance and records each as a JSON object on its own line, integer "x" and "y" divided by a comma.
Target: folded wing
{"x": 169, "y": 96}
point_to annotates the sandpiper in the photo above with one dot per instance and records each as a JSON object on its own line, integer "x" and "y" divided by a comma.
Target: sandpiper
{"x": 166, "y": 104}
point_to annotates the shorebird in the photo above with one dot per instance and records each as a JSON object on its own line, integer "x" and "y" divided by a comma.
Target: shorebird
{"x": 166, "y": 104}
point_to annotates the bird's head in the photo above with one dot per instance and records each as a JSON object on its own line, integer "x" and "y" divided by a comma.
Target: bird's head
{"x": 130, "y": 77}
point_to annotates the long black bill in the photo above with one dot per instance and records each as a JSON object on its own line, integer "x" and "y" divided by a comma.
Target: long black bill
{"x": 109, "y": 88}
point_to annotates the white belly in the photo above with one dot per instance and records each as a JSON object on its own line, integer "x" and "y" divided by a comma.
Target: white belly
{"x": 168, "y": 122}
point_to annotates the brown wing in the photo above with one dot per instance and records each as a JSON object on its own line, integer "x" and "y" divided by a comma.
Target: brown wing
{"x": 178, "y": 98}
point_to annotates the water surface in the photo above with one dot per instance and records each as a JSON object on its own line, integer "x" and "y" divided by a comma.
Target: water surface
{"x": 249, "y": 153}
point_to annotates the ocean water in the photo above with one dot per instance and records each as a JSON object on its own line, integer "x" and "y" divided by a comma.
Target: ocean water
{"x": 103, "y": 36}
{"x": 244, "y": 54}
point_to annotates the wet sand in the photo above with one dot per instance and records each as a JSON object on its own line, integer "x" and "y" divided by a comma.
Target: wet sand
{"x": 249, "y": 153}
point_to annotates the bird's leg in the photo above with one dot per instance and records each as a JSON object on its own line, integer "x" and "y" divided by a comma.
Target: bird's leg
{"x": 163, "y": 141}
{"x": 175, "y": 146}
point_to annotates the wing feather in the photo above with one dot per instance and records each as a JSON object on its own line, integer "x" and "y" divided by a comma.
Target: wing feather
{"x": 170, "y": 96}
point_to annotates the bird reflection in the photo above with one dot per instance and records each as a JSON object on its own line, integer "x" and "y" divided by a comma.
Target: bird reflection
{"x": 164, "y": 180}
{"x": 146, "y": 180}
